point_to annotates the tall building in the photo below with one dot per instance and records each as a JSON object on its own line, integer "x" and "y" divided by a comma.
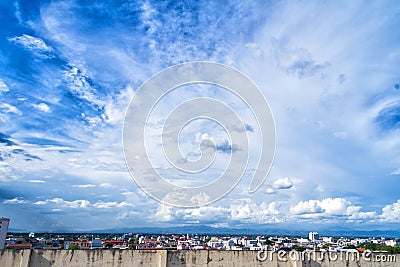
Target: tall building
{"x": 3, "y": 231}
{"x": 312, "y": 236}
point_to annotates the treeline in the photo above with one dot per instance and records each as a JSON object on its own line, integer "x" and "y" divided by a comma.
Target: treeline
{"x": 381, "y": 247}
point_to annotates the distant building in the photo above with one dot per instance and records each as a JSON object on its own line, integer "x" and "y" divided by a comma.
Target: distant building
{"x": 229, "y": 244}
{"x": 313, "y": 236}
{"x": 112, "y": 242}
{"x": 391, "y": 243}
{"x": 141, "y": 240}
{"x": 3, "y": 231}
{"x": 182, "y": 246}
{"x": 20, "y": 246}
{"x": 96, "y": 243}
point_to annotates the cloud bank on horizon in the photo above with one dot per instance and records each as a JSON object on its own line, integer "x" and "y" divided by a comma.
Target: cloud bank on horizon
{"x": 330, "y": 72}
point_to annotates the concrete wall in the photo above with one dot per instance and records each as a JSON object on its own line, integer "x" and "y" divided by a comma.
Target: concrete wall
{"x": 161, "y": 258}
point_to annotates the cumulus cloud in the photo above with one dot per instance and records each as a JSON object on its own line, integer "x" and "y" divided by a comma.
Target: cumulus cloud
{"x": 42, "y": 107}
{"x": 164, "y": 213}
{"x": 270, "y": 191}
{"x": 16, "y": 200}
{"x": 79, "y": 203}
{"x": 243, "y": 211}
{"x": 334, "y": 208}
{"x": 391, "y": 213}
{"x": 207, "y": 214}
{"x": 83, "y": 204}
{"x": 282, "y": 183}
{"x": 256, "y": 213}
{"x": 305, "y": 207}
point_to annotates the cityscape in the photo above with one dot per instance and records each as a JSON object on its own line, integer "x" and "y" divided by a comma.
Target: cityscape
{"x": 192, "y": 241}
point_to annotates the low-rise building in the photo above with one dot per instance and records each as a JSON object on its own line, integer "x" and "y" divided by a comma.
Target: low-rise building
{"x": 313, "y": 236}
{"x": 4, "y": 222}
{"x": 96, "y": 243}
{"x": 20, "y": 246}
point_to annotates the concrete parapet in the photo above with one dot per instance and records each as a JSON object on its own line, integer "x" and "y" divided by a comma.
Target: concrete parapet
{"x": 161, "y": 258}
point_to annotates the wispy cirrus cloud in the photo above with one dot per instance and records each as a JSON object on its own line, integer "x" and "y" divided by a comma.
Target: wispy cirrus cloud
{"x": 33, "y": 44}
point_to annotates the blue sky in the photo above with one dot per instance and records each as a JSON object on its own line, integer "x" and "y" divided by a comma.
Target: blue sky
{"x": 330, "y": 73}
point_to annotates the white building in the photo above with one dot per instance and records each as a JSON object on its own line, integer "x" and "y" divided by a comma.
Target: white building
{"x": 327, "y": 239}
{"x": 313, "y": 236}
{"x": 391, "y": 243}
{"x": 229, "y": 244}
{"x": 249, "y": 243}
{"x": 3, "y": 231}
{"x": 302, "y": 241}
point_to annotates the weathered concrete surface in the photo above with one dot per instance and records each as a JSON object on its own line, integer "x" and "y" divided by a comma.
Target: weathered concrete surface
{"x": 161, "y": 258}
{"x": 215, "y": 258}
{"x": 98, "y": 258}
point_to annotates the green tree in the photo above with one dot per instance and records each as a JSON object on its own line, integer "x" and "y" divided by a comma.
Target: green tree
{"x": 298, "y": 248}
{"x": 370, "y": 246}
{"x": 73, "y": 246}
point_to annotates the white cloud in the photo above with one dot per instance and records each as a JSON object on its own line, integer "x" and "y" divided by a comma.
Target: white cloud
{"x": 295, "y": 60}
{"x": 42, "y": 106}
{"x": 338, "y": 208}
{"x": 254, "y": 213}
{"x": 364, "y": 216}
{"x": 206, "y": 214}
{"x": 16, "y": 200}
{"x": 10, "y": 109}
{"x": 36, "y": 181}
{"x": 80, "y": 203}
{"x": 282, "y": 183}
{"x": 83, "y": 204}
{"x": 107, "y": 185}
{"x": 164, "y": 213}
{"x": 41, "y": 202}
{"x": 3, "y": 87}
{"x": 111, "y": 205}
{"x": 270, "y": 191}
{"x": 305, "y": 207}
{"x": 395, "y": 172}
{"x": 84, "y": 185}
{"x": 391, "y": 213}
{"x": 36, "y": 45}
{"x": 243, "y": 211}
{"x": 115, "y": 108}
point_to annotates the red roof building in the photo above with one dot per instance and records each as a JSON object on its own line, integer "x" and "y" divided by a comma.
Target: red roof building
{"x": 20, "y": 246}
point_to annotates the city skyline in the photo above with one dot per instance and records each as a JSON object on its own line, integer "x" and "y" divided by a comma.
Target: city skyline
{"x": 329, "y": 72}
